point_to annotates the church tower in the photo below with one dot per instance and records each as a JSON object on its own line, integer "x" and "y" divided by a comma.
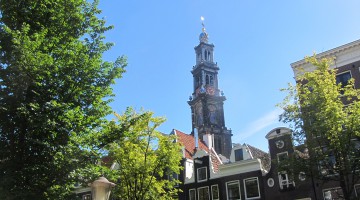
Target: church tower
{"x": 207, "y": 101}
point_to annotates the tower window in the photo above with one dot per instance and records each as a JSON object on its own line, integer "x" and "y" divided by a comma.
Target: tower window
{"x": 209, "y": 55}
{"x": 209, "y": 80}
{"x": 206, "y": 55}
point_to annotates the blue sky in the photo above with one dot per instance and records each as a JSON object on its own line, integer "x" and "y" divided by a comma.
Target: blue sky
{"x": 255, "y": 42}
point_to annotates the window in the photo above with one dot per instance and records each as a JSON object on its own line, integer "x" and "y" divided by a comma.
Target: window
{"x": 86, "y": 197}
{"x": 343, "y": 78}
{"x": 207, "y": 81}
{"x": 252, "y": 189}
{"x": 327, "y": 166}
{"x": 282, "y": 156}
{"x": 233, "y": 190}
{"x": 211, "y": 80}
{"x": 201, "y": 174}
{"x": 333, "y": 194}
{"x": 173, "y": 176}
{"x": 203, "y": 193}
{"x": 214, "y": 192}
{"x": 192, "y": 194}
{"x": 357, "y": 190}
{"x": 284, "y": 180}
{"x": 239, "y": 155}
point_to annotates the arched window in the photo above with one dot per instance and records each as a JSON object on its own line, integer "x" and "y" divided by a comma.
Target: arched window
{"x": 206, "y": 55}
{"x": 207, "y": 79}
{"x": 209, "y": 58}
{"x": 211, "y": 80}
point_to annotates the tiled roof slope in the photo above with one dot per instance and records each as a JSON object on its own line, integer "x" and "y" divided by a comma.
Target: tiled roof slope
{"x": 188, "y": 141}
{"x": 263, "y": 156}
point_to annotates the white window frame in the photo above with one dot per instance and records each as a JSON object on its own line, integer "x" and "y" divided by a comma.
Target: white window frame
{"x": 286, "y": 182}
{"x": 190, "y": 193}
{"x": 197, "y": 174}
{"x": 356, "y": 186}
{"x": 86, "y": 195}
{"x": 238, "y": 183}
{"x": 282, "y": 153}
{"x": 257, "y": 180}
{"x": 207, "y": 187}
{"x": 330, "y": 189}
{"x": 212, "y": 197}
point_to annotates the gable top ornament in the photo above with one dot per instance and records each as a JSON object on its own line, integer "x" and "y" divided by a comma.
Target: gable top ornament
{"x": 203, "y": 35}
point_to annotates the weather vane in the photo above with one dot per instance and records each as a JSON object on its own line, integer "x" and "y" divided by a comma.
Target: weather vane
{"x": 203, "y": 36}
{"x": 202, "y": 23}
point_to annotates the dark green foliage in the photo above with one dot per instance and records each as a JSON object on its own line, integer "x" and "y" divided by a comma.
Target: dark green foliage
{"x": 54, "y": 93}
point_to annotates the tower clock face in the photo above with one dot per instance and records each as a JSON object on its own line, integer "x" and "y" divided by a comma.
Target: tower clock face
{"x": 210, "y": 90}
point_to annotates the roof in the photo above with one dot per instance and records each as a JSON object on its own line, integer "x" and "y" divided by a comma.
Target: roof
{"x": 330, "y": 52}
{"x": 188, "y": 141}
{"x": 263, "y": 156}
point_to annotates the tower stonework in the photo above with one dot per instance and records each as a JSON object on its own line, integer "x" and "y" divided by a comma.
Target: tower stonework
{"x": 207, "y": 101}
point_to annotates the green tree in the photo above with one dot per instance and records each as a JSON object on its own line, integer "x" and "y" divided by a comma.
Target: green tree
{"x": 146, "y": 159}
{"x": 54, "y": 91}
{"x": 325, "y": 118}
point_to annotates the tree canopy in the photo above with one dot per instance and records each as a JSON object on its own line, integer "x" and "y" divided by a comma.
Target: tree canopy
{"x": 54, "y": 91}
{"x": 147, "y": 160}
{"x": 325, "y": 118}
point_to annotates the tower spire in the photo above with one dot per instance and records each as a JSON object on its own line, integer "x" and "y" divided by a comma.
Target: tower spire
{"x": 203, "y": 36}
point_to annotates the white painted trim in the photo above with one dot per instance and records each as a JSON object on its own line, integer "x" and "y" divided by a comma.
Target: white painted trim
{"x": 237, "y": 168}
{"x": 207, "y": 187}
{"x": 212, "y": 196}
{"x": 194, "y": 191}
{"x": 283, "y": 131}
{"x": 281, "y": 153}
{"x": 257, "y": 180}
{"x": 356, "y": 185}
{"x": 197, "y": 174}
{"x": 226, "y": 184}
{"x": 329, "y": 189}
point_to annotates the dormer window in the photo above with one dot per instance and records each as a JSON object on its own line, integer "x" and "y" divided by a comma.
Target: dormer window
{"x": 239, "y": 155}
{"x": 202, "y": 174}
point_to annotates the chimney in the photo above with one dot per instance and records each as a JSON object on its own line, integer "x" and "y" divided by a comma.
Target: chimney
{"x": 196, "y": 136}
{"x": 209, "y": 140}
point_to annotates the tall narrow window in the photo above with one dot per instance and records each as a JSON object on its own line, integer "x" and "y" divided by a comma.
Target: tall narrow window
{"x": 202, "y": 174}
{"x": 211, "y": 80}
{"x": 239, "y": 155}
{"x": 252, "y": 189}
{"x": 214, "y": 192}
{"x": 207, "y": 79}
{"x": 192, "y": 194}
{"x": 233, "y": 190}
{"x": 206, "y": 55}
{"x": 203, "y": 193}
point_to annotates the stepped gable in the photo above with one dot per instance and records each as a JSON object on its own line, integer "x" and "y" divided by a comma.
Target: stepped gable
{"x": 263, "y": 156}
